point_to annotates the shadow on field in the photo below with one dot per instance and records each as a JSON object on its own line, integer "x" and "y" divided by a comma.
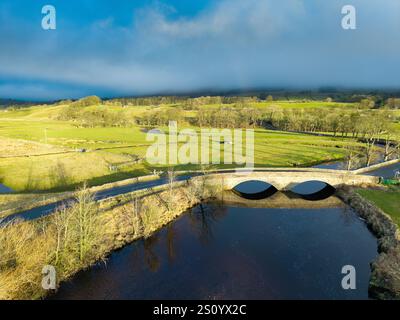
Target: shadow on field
{"x": 116, "y": 176}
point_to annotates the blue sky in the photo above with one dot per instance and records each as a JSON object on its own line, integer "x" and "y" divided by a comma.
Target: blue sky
{"x": 137, "y": 47}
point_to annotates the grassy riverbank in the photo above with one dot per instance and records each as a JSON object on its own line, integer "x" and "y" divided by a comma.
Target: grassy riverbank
{"x": 387, "y": 200}
{"x": 75, "y": 238}
{"x": 380, "y": 218}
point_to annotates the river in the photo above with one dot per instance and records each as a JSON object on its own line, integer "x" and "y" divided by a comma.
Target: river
{"x": 385, "y": 172}
{"x": 4, "y": 189}
{"x": 233, "y": 252}
{"x": 287, "y": 249}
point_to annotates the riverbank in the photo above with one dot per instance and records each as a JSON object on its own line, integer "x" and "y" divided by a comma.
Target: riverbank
{"x": 385, "y": 198}
{"x": 75, "y": 238}
{"x": 385, "y": 270}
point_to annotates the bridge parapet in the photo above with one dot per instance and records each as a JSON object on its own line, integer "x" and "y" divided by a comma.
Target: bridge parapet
{"x": 285, "y": 180}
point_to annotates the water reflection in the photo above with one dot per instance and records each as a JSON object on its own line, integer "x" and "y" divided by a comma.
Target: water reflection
{"x": 309, "y": 190}
{"x": 314, "y": 190}
{"x": 171, "y": 238}
{"x": 254, "y": 190}
{"x": 150, "y": 256}
{"x": 202, "y": 219}
{"x": 225, "y": 251}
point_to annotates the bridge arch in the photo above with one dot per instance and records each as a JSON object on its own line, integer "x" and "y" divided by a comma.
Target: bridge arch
{"x": 254, "y": 190}
{"x": 313, "y": 190}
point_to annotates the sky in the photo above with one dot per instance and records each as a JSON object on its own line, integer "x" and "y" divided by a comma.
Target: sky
{"x": 143, "y": 47}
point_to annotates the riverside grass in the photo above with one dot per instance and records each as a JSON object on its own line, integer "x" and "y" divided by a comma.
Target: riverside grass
{"x": 385, "y": 275}
{"x": 387, "y": 199}
{"x": 75, "y": 238}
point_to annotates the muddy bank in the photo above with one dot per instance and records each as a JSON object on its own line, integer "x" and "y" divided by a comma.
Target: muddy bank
{"x": 385, "y": 270}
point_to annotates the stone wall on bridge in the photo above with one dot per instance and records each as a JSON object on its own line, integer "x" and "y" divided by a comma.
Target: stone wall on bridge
{"x": 285, "y": 180}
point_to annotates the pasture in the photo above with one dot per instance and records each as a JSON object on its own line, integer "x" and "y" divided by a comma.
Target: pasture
{"x": 40, "y": 153}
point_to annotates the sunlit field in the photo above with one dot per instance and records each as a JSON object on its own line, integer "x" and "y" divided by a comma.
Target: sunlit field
{"x": 40, "y": 152}
{"x": 41, "y": 149}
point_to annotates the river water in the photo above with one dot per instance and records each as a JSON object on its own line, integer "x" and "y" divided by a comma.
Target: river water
{"x": 385, "y": 172}
{"x": 4, "y": 189}
{"x": 234, "y": 252}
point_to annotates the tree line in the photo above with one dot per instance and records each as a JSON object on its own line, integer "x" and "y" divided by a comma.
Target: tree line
{"x": 363, "y": 100}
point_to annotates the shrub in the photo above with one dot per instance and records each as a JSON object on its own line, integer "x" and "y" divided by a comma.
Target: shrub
{"x": 87, "y": 101}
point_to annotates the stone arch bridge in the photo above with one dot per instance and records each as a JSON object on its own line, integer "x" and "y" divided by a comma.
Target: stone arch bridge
{"x": 284, "y": 179}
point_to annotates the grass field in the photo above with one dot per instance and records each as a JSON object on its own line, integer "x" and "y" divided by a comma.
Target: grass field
{"x": 40, "y": 153}
{"x": 295, "y": 104}
{"x": 387, "y": 200}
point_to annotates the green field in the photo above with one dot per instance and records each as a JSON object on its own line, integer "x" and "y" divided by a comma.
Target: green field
{"x": 387, "y": 200}
{"x": 40, "y": 153}
{"x": 303, "y": 105}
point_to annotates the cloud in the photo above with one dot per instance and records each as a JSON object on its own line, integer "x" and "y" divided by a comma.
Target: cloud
{"x": 229, "y": 44}
{"x": 103, "y": 24}
{"x": 227, "y": 20}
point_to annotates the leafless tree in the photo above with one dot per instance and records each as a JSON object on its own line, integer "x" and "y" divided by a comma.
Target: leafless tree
{"x": 352, "y": 158}
{"x": 62, "y": 223}
{"x": 85, "y": 215}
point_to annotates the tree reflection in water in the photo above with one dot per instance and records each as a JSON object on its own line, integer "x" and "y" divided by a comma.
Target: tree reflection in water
{"x": 201, "y": 220}
{"x": 150, "y": 257}
{"x": 203, "y": 217}
{"x": 171, "y": 240}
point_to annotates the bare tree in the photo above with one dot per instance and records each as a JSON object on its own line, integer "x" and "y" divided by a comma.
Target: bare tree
{"x": 134, "y": 216}
{"x": 372, "y": 131}
{"x": 171, "y": 181}
{"x": 392, "y": 147}
{"x": 62, "y": 223}
{"x": 85, "y": 216}
{"x": 352, "y": 157}
{"x": 369, "y": 148}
